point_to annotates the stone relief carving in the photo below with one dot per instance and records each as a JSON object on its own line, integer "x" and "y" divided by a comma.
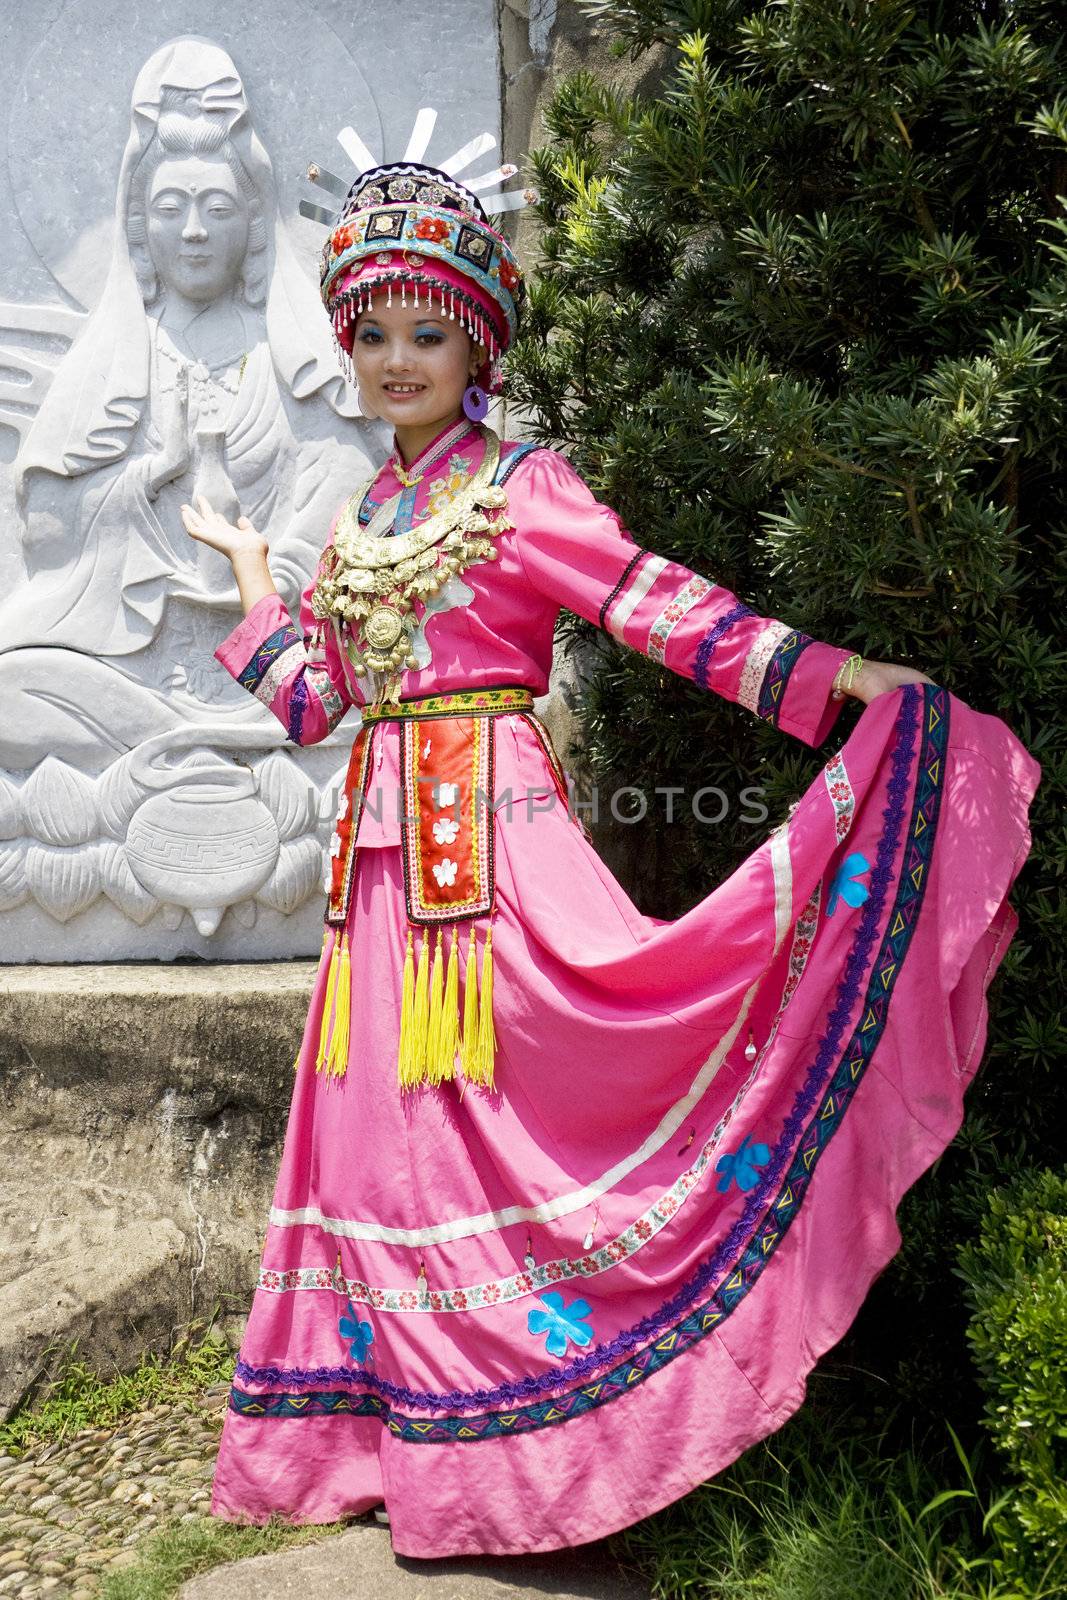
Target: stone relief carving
{"x": 170, "y": 827}
{"x": 205, "y": 367}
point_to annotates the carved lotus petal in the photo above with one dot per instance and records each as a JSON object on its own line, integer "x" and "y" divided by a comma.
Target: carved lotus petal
{"x": 13, "y": 886}
{"x": 118, "y": 795}
{"x": 121, "y": 887}
{"x": 63, "y": 882}
{"x": 11, "y": 823}
{"x": 59, "y": 803}
{"x": 295, "y": 878}
{"x": 288, "y": 794}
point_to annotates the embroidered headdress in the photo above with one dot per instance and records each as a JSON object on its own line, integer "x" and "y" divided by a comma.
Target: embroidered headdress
{"x": 417, "y": 232}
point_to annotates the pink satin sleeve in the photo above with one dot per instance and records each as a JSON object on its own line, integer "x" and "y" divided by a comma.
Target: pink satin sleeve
{"x": 269, "y": 656}
{"x": 574, "y": 550}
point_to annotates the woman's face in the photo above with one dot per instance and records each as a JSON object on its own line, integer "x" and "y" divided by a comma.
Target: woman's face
{"x": 412, "y": 366}
{"x": 197, "y": 226}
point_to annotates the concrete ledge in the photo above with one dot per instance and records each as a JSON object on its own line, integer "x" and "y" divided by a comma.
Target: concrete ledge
{"x": 144, "y": 1108}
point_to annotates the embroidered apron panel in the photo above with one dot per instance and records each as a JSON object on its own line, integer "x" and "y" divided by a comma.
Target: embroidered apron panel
{"x": 447, "y": 774}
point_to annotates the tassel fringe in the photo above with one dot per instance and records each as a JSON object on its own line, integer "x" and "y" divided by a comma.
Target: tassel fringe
{"x": 433, "y": 1032}
{"x": 405, "y": 1061}
{"x": 431, "y": 1037}
{"x": 449, "y": 1037}
{"x": 342, "y": 1014}
{"x": 485, "y": 1054}
{"x": 332, "y": 1054}
{"x": 469, "y": 1046}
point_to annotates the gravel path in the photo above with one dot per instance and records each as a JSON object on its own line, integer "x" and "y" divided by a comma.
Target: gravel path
{"x": 72, "y": 1511}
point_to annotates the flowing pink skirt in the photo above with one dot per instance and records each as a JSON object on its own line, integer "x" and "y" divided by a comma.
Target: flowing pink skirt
{"x": 527, "y": 1318}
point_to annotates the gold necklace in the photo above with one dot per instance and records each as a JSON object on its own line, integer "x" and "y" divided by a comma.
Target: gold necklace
{"x": 371, "y": 582}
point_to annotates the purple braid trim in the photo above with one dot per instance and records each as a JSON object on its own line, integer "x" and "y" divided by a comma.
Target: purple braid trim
{"x": 706, "y": 647}
{"x": 651, "y": 1327}
{"x": 298, "y": 703}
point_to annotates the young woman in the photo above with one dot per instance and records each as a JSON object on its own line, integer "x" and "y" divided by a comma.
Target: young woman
{"x": 571, "y": 1199}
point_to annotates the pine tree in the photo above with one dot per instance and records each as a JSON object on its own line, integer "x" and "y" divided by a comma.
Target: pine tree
{"x": 801, "y": 320}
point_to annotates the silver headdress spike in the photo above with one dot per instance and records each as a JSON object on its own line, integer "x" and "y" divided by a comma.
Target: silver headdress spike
{"x": 468, "y": 154}
{"x": 317, "y": 213}
{"x": 421, "y": 134}
{"x": 356, "y": 150}
{"x": 327, "y": 180}
{"x": 496, "y": 204}
{"x": 487, "y": 180}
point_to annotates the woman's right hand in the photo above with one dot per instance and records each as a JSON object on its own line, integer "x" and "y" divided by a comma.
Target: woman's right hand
{"x": 233, "y": 540}
{"x": 246, "y": 549}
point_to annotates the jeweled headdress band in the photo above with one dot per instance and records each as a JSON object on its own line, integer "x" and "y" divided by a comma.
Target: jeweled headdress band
{"x": 417, "y": 232}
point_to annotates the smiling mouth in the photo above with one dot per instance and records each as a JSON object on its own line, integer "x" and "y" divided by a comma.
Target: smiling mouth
{"x": 403, "y": 389}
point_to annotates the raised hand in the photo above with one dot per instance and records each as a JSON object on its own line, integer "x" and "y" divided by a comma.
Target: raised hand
{"x": 173, "y": 460}
{"x": 245, "y": 548}
{"x": 211, "y": 527}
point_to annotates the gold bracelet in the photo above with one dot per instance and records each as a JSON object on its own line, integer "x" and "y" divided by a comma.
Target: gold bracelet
{"x": 852, "y": 667}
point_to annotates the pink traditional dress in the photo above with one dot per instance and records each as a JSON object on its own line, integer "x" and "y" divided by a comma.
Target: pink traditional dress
{"x": 572, "y": 1199}
{"x": 528, "y": 1316}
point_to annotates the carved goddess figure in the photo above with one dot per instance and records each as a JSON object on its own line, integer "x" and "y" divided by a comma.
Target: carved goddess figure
{"x": 187, "y": 379}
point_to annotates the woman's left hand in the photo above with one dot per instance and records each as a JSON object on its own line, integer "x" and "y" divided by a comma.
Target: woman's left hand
{"x": 878, "y": 677}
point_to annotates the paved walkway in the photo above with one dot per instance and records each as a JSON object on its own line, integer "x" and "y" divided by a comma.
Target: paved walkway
{"x": 360, "y": 1565}
{"x": 72, "y": 1512}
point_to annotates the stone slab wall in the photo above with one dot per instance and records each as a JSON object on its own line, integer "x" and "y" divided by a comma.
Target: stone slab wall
{"x": 147, "y": 808}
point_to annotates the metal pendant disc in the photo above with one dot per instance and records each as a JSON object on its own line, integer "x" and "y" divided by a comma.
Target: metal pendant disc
{"x": 383, "y": 627}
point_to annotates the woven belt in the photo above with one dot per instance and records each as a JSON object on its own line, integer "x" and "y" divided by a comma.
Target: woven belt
{"x": 461, "y": 703}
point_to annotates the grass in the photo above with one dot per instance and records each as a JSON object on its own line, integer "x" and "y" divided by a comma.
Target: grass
{"x": 171, "y": 1557}
{"x": 814, "y": 1513}
{"x": 805, "y": 1516}
{"x": 80, "y": 1398}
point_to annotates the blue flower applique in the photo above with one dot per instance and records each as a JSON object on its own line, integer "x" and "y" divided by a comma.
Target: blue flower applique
{"x": 844, "y": 886}
{"x": 742, "y": 1167}
{"x": 562, "y": 1323}
{"x": 359, "y": 1336}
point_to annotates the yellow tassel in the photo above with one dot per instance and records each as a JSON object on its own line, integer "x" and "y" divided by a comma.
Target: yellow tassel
{"x": 469, "y": 1047}
{"x": 433, "y": 1031}
{"x": 405, "y": 1062}
{"x": 421, "y": 1014}
{"x": 338, "y": 1057}
{"x": 485, "y": 1059}
{"x": 327, "y": 1008}
{"x": 449, "y": 1036}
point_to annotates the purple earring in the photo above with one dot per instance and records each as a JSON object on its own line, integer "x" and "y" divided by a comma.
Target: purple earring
{"x": 475, "y": 403}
